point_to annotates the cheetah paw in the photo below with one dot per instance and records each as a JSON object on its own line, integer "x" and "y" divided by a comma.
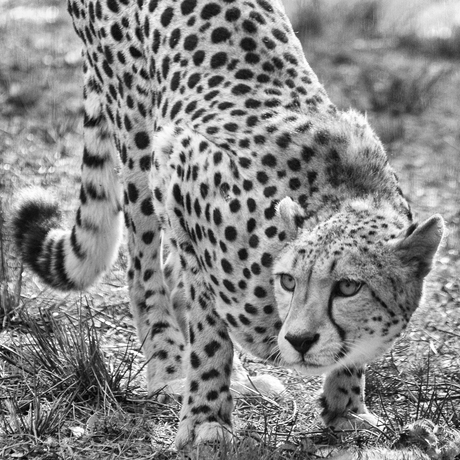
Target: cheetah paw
{"x": 189, "y": 434}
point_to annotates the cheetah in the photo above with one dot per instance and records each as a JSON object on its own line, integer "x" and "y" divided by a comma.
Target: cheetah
{"x": 257, "y": 212}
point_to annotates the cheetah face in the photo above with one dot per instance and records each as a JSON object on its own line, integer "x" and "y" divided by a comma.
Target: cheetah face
{"x": 331, "y": 315}
{"x": 345, "y": 291}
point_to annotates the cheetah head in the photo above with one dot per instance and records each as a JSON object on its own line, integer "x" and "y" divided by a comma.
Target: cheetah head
{"x": 347, "y": 287}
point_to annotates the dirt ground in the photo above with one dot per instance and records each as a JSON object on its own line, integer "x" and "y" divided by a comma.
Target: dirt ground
{"x": 410, "y": 91}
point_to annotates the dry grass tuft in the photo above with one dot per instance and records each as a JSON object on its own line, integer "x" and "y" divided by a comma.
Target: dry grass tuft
{"x": 68, "y": 358}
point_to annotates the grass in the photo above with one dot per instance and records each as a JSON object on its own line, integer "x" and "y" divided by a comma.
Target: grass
{"x": 68, "y": 357}
{"x": 409, "y": 91}
{"x": 71, "y": 380}
{"x": 449, "y": 48}
{"x": 5, "y": 295}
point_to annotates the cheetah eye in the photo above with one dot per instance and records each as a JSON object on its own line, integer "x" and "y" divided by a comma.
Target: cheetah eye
{"x": 287, "y": 282}
{"x": 348, "y": 288}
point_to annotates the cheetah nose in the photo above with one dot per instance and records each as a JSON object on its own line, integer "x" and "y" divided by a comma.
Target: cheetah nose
{"x": 303, "y": 342}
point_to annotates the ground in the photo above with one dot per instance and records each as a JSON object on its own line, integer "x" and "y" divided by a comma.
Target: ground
{"x": 62, "y": 396}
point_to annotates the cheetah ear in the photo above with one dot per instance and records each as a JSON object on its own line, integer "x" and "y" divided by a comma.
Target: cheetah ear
{"x": 292, "y": 215}
{"x": 419, "y": 244}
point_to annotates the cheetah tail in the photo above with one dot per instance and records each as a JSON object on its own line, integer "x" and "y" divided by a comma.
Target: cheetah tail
{"x": 63, "y": 259}
{"x": 74, "y": 259}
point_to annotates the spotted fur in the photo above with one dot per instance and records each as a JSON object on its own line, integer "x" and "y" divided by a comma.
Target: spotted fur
{"x": 230, "y": 147}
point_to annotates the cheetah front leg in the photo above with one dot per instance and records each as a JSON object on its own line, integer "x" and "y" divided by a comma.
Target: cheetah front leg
{"x": 342, "y": 400}
{"x": 207, "y": 405}
{"x": 241, "y": 382}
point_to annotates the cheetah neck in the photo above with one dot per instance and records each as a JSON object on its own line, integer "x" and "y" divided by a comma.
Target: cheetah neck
{"x": 327, "y": 161}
